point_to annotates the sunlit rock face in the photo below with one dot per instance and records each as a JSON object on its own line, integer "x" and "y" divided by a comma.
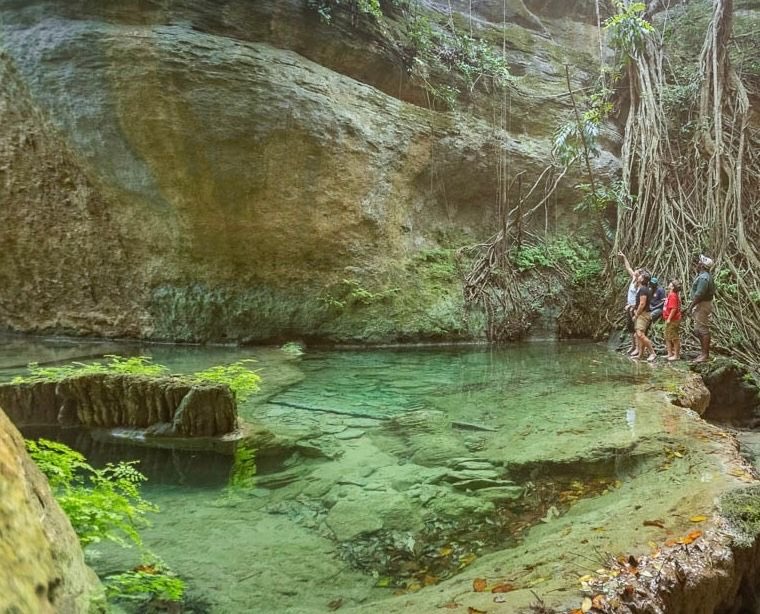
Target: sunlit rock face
{"x": 42, "y": 567}
{"x": 213, "y": 171}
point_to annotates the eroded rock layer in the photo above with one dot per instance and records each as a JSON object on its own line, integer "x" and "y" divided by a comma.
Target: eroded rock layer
{"x": 167, "y": 406}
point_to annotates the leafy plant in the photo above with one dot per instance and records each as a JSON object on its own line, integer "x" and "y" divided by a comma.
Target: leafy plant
{"x": 581, "y": 261}
{"x": 133, "y": 365}
{"x": 102, "y": 504}
{"x": 148, "y": 581}
{"x": 325, "y": 8}
{"x": 628, "y": 29}
{"x": 237, "y": 375}
{"x": 242, "y": 381}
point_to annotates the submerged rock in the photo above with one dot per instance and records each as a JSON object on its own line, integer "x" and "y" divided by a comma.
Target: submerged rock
{"x": 366, "y": 512}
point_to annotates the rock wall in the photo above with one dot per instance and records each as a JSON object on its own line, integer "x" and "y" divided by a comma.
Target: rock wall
{"x": 210, "y": 171}
{"x": 165, "y": 406}
{"x": 42, "y": 567}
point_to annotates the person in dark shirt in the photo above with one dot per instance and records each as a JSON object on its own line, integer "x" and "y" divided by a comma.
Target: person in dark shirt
{"x": 658, "y": 299}
{"x": 643, "y": 318}
{"x": 700, "y": 308}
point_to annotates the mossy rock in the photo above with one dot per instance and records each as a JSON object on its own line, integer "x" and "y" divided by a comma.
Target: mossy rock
{"x": 741, "y": 509}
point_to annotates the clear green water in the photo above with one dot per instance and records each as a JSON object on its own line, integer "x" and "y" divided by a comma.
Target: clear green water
{"x": 397, "y": 468}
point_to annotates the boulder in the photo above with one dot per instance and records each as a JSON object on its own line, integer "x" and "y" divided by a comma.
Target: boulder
{"x": 42, "y": 568}
{"x": 693, "y": 394}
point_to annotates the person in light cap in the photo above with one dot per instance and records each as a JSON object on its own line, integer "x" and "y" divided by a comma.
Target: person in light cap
{"x": 700, "y": 308}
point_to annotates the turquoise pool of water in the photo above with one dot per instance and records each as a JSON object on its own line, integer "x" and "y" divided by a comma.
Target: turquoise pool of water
{"x": 395, "y": 465}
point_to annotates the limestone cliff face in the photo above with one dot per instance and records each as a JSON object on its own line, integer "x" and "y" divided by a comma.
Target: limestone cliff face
{"x": 42, "y": 567}
{"x": 236, "y": 170}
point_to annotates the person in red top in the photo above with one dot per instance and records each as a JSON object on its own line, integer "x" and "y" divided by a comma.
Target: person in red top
{"x": 671, "y": 313}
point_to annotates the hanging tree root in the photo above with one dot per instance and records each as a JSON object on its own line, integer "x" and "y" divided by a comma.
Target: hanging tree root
{"x": 701, "y": 196}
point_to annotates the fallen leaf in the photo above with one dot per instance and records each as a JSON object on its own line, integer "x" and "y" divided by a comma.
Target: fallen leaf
{"x": 698, "y": 518}
{"x": 147, "y": 569}
{"x": 504, "y": 587}
{"x": 537, "y": 581}
{"x": 429, "y": 580}
{"x": 472, "y": 610}
{"x": 586, "y": 578}
{"x": 586, "y": 605}
{"x": 451, "y": 605}
{"x": 687, "y": 539}
{"x": 466, "y": 560}
{"x": 445, "y": 551}
{"x": 598, "y": 602}
{"x": 654, "y": 523}
{"x": 479, "y": 585}
{"x": 500, "y": 599}
{"x": 335, "y": 604}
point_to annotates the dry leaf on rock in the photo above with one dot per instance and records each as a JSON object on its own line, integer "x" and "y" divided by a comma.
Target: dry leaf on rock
{"x": 479, "y": 585}
{"x": 504, "y": 587}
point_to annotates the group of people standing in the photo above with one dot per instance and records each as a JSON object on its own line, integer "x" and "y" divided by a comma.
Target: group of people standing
{"x": 647, "y": 302}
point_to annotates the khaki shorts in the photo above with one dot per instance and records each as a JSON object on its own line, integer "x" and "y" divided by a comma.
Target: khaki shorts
{"x": 643, "y": 322}
{"x": 673, "y": 330}
{"x": 701, "y": 314}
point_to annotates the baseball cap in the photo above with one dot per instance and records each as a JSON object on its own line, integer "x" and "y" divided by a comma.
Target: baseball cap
{"x": 705, "y": 261}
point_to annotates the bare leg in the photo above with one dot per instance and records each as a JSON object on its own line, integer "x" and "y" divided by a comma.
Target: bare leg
{"x": 677, "y": 349}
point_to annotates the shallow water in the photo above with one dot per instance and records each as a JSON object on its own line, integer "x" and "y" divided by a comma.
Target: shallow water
{"x": 398, "y": 468}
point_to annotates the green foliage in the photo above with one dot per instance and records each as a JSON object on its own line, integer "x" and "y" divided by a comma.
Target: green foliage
{"x": 244, "y": 468}
{"x": 436, "y": 264}
{"x": 350, "y": 292}
{"x": 580, "y": 260}
{"x": 242, "y": 381}
{"x": 742, "y": 510}
{"x": 148, "y": 581}
{"x": 106, "y": 505}
{"x": 570, "y": 138}
{"x": 133, "y": 365}
{"x": 568, "y": 141}
{"x": 102, "y": 504}
{"x": 325, "y": 8}
{"x": 446, "y": 50}
{"x": 597, "y": 202}
{"x": 628, "y": 29}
